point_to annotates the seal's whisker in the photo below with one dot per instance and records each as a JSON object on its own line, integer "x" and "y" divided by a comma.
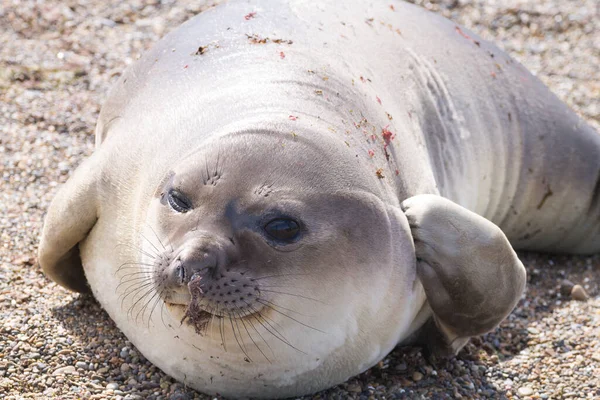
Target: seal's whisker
{"x": 145, "y": 272}
{"x": 137, "y": 290}
{"x": 283, "y": 308}
{"x": 141, "y": 267}
{"x": 250, "y": 336}
{"x": 292, "y": 318}
{"x": 141, "y": 279}
{"x": 277, "y": 276}
{"x": 256, "y": 314}
{"x": 122, "y": 266}
{"x": 261, "y": 336}
{"x": 154, "y": 306}
{"x": 282, "y": 338}
{"x": 157, "y": 238}
{"x": 131, "y": 288}
{"x": 212, "y": 319}
{"x": 240, "y": 345}
{"x": 145, "y": 307}
{"x": 151, "y": 244}
{"x": 153, "y": 256}
{"x": 131, "y": 309}
{"x": 220, "y": 319}
{"x": 162, "y": 309}
{"x": 272, "y": 323}
{"x": 291, "y": 294}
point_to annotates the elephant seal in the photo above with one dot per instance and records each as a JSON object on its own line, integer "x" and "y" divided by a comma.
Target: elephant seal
{"x": 284, "y": 191}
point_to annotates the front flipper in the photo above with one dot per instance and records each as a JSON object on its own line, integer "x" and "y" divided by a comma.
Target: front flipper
{"x": 71, "y": 215}
{"x": 471, "y": 275}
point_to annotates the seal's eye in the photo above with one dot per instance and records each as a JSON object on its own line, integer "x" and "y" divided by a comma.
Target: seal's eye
{"x": 283, "y": 229}
{"x": 178, "y": 201}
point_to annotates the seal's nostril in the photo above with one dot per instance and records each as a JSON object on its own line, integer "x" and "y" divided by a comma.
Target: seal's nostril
{"x": 181, "y": 273}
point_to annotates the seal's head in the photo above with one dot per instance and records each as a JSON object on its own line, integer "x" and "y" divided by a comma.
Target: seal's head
{"x": 276, "y": 270}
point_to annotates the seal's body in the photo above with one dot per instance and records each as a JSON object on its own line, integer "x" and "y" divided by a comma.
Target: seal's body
{"x": 306, "y": 186}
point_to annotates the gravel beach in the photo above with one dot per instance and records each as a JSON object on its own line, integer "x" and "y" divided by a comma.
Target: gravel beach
{"x": 58, "y": 59}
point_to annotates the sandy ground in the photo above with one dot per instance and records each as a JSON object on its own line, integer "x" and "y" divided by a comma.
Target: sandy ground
{"x": 57, "y": 61}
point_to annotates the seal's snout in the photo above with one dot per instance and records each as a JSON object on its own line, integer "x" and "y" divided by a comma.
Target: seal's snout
{"x": 187, "y": 268}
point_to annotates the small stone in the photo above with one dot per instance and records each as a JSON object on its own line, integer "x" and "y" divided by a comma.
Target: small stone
{"x": 417, "y": 376}
{"x": 81, "y": 364}
{"x": 124, "y": 367}
{"x": 401, "y": 367}
{"x": 112, "y": 386}
{"x": 525, "y": 391}
{"x": 533, "y": 331}
{"x": 566, "y": 286}
{"x": 69, "y": 370}
{"x": 354, "y": 388}
{"x": 578, "y": 293}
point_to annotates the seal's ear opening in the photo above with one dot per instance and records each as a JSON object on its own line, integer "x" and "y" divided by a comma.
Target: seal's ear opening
{"x": 71, "y": 216}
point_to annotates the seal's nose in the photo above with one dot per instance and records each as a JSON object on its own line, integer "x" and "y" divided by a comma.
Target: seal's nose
{"x": 188, "y": 267}
{"x": 200, "y": 256}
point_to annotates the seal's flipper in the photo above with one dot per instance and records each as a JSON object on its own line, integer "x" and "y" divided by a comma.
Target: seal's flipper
{"x": 72, "y": 214}
{"x": 471, "y": 275}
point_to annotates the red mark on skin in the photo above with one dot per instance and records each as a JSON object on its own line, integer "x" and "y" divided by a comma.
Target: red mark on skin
{"x": 293, "y": 117}
{"x": 371, "y": 153}
{"x": 185, "y": 66}
{"x": 392, "y": 7}
{"x": 387, "y": 134}
{"x": 493, "y": 74}
{"x": 282, "y": 55}
{"x": 373, "y": 137}
{"x": 249, "y": 16}
{"x": 461, "y": 33}
{"x": 378, "y": 99}
{"x": 397, "y": 172}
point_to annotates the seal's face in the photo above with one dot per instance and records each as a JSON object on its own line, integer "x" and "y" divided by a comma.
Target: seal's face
{"x": 269, "y": 262}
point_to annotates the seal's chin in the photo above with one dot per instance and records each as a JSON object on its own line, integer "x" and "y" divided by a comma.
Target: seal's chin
{"x": 196, "y": 312}
{"x": 177, "y": 303}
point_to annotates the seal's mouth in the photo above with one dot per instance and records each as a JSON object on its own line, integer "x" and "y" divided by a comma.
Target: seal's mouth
{"x": 200, "y": 304}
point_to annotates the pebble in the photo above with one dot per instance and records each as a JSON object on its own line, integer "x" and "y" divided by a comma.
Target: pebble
{"x": 578, "y": 293}
{"x": 525, "y": 391}
{"x": 81, "y": 364}
{"x": 354, "y": 388}
{"x": 417, "y": 376}
{"x": 112, "y": 386}
{"x": 68, "y": 370}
